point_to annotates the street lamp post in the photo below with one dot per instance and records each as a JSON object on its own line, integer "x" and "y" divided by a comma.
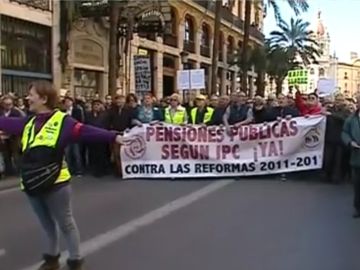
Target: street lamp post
{"x": 185, "y": 60}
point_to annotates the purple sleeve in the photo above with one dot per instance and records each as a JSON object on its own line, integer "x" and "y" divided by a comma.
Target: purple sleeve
{"x": 73, "y": 131}
{"x": 12, "y": 125}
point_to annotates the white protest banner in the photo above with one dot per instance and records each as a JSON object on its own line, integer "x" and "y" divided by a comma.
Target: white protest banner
{"x": 183, "y": 79}
{"x": 197, "y": 78}
{"x": 326, "y": 87}
{"x": 142, "y": 73}
{"x": 165, "y": 151}
{"x": 190, "y": 79}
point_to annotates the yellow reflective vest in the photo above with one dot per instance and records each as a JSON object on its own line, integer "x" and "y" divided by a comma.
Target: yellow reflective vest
{"x": 178, "y": 118}
{"x": 207, "y": 116}
{"x": 48, "y": 136}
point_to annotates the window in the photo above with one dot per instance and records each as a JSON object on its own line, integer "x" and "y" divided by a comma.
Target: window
{"x": 345, "y": 86}
{"x": 321, "y": 72}
{"x": 86, "y": 83}
{"x": 169, "y": 61}
{"x": 205, "y": 35}
{"x": 189, "y": 29}
{"x": 25, "y": 46}
{"x": 312, "y": 71}
{"x": 230, "y": 45}
{"x": 40, "y": 4}
{"x": 346, "y": 76}
{"x": 15, "y": 84}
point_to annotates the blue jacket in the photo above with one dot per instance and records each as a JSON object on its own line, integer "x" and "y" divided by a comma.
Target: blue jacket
{"x": 156, "y": 115}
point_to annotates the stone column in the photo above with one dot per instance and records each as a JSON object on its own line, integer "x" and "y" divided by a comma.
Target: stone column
{"x": 130, "y": 77}
{"x": 56, "y": 67}
{"x": 158, "y": 74}
{"x": 181, "y": 42}
{"x": 197, "y": 41}
{"x": 223, "y": 82}
{"x": 233, "y": 82}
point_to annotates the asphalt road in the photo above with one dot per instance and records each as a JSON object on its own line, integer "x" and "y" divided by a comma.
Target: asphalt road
{"x": 178, "y": 225}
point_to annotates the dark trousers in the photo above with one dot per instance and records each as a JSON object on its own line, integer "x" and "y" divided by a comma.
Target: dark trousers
{"x": 356, "y": 182}
{"x": 333, "y": 162}
{"x": 99, "y": 159}
{"x": 74, "y": 159}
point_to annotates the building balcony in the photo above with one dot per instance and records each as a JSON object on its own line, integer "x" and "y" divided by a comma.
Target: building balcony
{"x": 170, "y": 40}
{"x": 189, "y": 46}
{"x": 39, "y": 4}
{"x": 205, "y": 51}
{"x": 227, "y": 15}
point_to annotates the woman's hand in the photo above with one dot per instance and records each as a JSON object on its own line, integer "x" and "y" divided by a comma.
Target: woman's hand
{"x": 119, "y": 139}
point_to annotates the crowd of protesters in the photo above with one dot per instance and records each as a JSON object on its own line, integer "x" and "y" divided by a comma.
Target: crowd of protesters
{"x": 121, "y": 113}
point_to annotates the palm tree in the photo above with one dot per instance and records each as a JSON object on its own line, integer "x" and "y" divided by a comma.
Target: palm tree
{"x": 278, "y": 64}
{"x": 297, "y": 39}
{"x": 113, "y": 45}
{"x": 215, "y": 53}
{"x": 258, "y": 59}
{"x": 297, "y": 6}
{"x": 245, "y": 48}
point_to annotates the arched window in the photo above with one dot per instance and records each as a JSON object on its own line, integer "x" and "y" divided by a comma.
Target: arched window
{"x": 189, "y": 29}
{"x": 170, "y": 36}
{"x": 205, "y": 35}
{"x": 321, "y": 72}
{"x": 312, "y": 71}
{"x": 230, "y": 45}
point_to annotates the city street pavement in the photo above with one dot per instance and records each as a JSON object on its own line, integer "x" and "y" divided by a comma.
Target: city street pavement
{"x": 162, "y": 225}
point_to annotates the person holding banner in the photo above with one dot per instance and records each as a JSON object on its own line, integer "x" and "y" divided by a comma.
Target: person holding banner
{"x": 147, "y": 113}
{"x": 283, "y": 109}
{"x": 238, "y": 113}
{"x": 45, "y": 177}
{"x": 201, "y": 114}
{"x": 175, "y": 114}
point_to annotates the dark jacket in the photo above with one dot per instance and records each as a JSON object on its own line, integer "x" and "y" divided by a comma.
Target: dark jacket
{"x": 263, "y": 115}
{"x": 120, "y": 119}
{"x": 238, "y": 113}
{"x": 334, "y": 124}
{"x": 285, "y": 111}
{"x": 350, "y": 133}
{"x": 99, "y": 120}
{"x": 217, "y": 117}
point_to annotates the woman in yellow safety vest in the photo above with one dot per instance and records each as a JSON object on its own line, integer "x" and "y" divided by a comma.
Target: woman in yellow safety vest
{"x": 175, "y": 113}
{"x": 45, "y": 177}
{"x": 201, "y": 114}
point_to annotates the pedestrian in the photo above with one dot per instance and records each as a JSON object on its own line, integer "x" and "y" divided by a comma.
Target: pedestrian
{"x": 351, "y": 137}
{"x": 45, "y": 177}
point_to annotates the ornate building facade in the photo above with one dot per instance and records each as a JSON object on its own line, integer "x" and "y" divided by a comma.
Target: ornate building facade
{"x": 345, "y": 74}
{"x": 30, "y": 36}
{"x": 27, "y": 43}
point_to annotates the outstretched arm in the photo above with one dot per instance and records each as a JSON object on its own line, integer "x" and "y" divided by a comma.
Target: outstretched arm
{"x": 75, "y": 131}
{"x": 12, "y": 125}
